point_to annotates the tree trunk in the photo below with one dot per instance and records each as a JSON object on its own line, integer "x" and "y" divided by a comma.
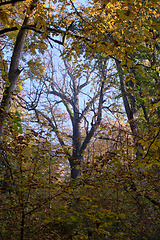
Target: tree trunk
{"x": 75, "y": 166}
{"x": 76, "y": 143}
{"x": 130, "y": 111}
{"x": 14, "y": 70}
{"x": 75, "y": 172}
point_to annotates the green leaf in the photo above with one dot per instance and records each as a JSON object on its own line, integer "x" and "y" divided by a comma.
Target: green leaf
{"x": 19, "y": 125}
{"x": 17, "y": 114}
{"x": 22, "y": 179}
{"x": 20, "y": 130}
{"x": 15, "y": 127}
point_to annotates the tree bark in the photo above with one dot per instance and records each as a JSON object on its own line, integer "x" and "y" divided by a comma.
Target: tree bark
{"x": 130, "y": 111}
{"x": 124, "y": 96}
{"x": 75, "y": 166}
{"x": 14, "y": 71}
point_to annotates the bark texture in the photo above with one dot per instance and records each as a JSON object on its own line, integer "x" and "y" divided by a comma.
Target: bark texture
{"x": 14, "y": 71}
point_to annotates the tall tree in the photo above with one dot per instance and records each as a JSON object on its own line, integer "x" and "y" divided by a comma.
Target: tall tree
{"x": 14, "y": 70}
{"x": 83, "y": 105}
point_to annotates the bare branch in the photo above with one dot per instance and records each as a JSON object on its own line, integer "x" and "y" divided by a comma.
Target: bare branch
{"x": 86, "y": 109}
{"x": 61, "y": 95}
{"x": 87, "y": 80}
{"x": 109, "y": 139}
{"x": 97, "y": 122}
{"x": 49, "y": 120}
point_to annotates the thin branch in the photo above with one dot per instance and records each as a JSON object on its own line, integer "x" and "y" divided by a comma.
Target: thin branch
{"x": 86, "y": 109}
{"x": 78, "y": 13}
{"x": 153, "y": 201}
{"x": 53, "y": 126}
{"x": 11, "y": 2}
{"x": 110, "y": 139}
{"x": 44, "y": 202}
{"x": 151, "y": 144}
{"x": 61, "y": 95}
{"x": 70, "y": 112}
{"x": 55, "y": 129}
{"x": 97, "y": 122}
{"x": 87, "y": 80}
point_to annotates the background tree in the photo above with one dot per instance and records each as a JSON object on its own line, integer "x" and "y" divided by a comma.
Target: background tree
{"x": 83, "y": 98}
